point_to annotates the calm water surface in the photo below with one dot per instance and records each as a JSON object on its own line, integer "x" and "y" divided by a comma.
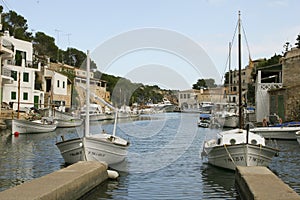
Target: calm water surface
{"x": 164, "y": 160}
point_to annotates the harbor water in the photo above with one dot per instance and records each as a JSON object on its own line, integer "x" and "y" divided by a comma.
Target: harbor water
{"x": 164, "y": 160}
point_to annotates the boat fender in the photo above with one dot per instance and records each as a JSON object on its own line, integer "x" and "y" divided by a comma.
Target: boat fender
{"x": 112, "y": 174}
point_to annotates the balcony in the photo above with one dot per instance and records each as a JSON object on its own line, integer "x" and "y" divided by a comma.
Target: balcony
{"x": 28, "y": 64}
{"x": 6, "y": 48}
{"x": 6, "y": 76}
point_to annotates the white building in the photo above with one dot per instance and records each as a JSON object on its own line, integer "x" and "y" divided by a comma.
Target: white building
{"x": 22, "y": 69}
{"x": 56, "y": 88}
{"x": 188, "y": 100}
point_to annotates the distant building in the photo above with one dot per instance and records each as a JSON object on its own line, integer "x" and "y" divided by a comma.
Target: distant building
{"x": 191, "y": 100}
{"x": 187, "y": 100}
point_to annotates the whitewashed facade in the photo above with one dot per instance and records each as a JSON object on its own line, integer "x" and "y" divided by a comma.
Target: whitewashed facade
{"x": 20, "y": 67}
{"x": 188, "y": 100}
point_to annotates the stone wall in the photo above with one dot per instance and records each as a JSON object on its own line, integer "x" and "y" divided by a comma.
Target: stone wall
{"x": 291, "y": 86}
{"x": 291, "y": 68}
{"x": 292, "y": 102}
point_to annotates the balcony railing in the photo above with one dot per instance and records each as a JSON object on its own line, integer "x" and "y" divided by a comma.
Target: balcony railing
{"x": 28, "y": 64}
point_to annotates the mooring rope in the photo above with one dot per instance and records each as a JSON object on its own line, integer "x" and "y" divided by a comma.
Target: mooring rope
{"x": 229, "y": 155}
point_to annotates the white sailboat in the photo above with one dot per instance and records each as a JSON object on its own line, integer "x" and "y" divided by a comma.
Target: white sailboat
{"x": 227, "y": 116}
{"x": 238, "y": 147}
{"x": 69, "y": 123}
{"x": 101, "y": 147}
{"x": 228, "y": 119}
{"x": 65, "y": 120}
{"x": 18, "y": 126}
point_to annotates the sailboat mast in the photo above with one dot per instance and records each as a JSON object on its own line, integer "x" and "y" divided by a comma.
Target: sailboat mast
{"x": 229, "y": 76}
{"x": 87, "y": 116}
{"x": 240, "y": 71}
{"x": 115, "y": 123}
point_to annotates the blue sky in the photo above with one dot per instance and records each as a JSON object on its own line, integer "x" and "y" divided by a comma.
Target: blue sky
{"x": 208, "y": 23}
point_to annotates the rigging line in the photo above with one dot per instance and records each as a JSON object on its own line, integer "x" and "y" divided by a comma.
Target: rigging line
{"x": 246, "y": 40}
{"x": 6, "y": 5}
{"x": 232, "y": 40}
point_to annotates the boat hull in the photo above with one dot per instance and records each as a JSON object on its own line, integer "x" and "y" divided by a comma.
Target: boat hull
{"x": 282, "y": 133}
{"x": 99, "y": 149}
{"x": 97, "y": 117}
{"x": 24, "y": 126}
{"x": 71, "y": 150}
{"x": 230, "y": 156}
{"x": 69, "y": 123}
{"x": 92, "y": 149}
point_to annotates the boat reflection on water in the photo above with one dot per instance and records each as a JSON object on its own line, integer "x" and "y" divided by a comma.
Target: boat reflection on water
{"x": 216, "y": 180}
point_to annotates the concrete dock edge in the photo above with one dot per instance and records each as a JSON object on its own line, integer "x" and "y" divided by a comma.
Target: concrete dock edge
{"x": 69, "y": 183}
{"x": 261, "y": 183}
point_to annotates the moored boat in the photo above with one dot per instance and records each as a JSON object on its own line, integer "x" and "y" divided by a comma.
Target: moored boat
{"x": 226, "y": 119}
{"x": 238, "y": 148}
{"x": 26, "y": 126}
{"x": 283, "y": 133}
{"x": 204, "y": 120}
{"x": 64, "y": 123}
{"x": 101, "y": 147}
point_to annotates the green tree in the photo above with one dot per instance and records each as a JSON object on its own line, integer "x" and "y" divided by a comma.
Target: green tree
{"x": 45, "y": 45}
{"x": 75, "y": 57}
{"x": 271, "y": 61}
{"x": 298, "y": 42}
{"x": 16, "y": 25}
{"x": 204, "y": 83}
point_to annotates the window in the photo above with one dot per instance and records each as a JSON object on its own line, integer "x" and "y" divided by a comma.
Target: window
{"x": 58, "y": 83}
{"x": 14, "y": 75}
{"x": 25, "y": 96}
{"x": 232, "y": 141}
{"x": 253, "y": 142}
{"x": 13, "y": 95}
{"x": 63, "y": 84}
{"x": 25, "y": 77}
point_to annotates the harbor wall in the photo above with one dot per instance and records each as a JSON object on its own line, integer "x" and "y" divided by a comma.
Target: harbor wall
{"x": 69, "y": 183}
{"x": 260, "y": 183}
